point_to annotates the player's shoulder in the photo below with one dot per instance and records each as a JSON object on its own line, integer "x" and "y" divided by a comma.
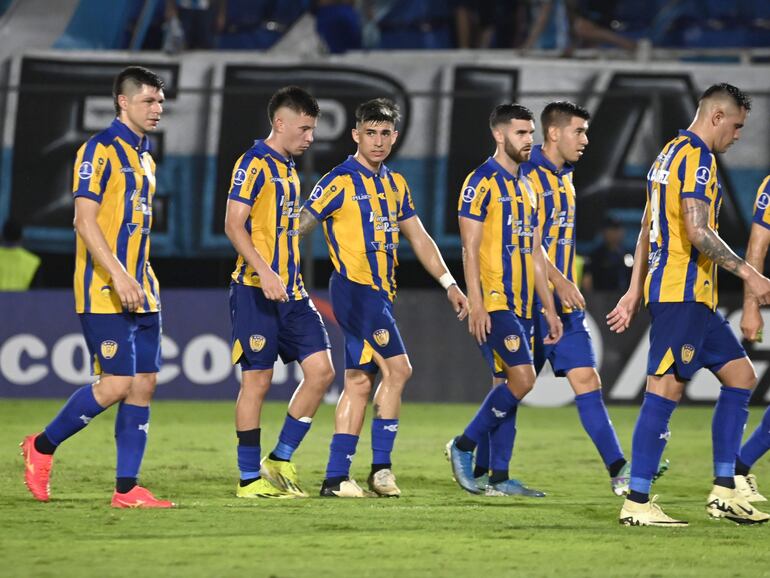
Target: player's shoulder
{"x": 484, "y": 172}
{"x": 339, "y": 175}
{"x": 396, "y": 177}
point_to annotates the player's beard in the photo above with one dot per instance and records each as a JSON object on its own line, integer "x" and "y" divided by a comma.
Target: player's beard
{"x": 517, "y": 155}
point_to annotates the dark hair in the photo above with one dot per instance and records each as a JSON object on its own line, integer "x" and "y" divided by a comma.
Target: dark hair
{"x": 378, "y": 110}
{"x": 505, "y": 113}
{"x": 12, "y": 231}
{"x": 295, "y": 98}
{"x": 560, "y": 113}
{"x": 136, "y": 76}
{"x": 740, "y": 98}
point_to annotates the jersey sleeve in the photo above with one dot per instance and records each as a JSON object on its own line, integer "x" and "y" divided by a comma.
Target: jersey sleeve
{"x": 327, "y": 196}
{"x": 697, "y": 174}
{"x": 247, "y": 180}
{"x": 92, "y": 171}
{"x": 474, "y": 197}
{"x": 762, "y": 204}
{"x": 406, "y": 210}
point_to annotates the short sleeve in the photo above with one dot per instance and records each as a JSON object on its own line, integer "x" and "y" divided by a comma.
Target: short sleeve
{"x": 697, "y": 174}
{"x": 762, "y": 204}
{"x": 474, "y": 197}
{"x": 247, "y": 180}
{"x": 92, "y": 171}
{"x": 406, "y": 209}
{"x": 326, "y": 197}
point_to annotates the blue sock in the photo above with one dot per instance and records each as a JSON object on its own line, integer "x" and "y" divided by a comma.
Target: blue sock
{"x": 650, "y": 436}
{"x": 730, "y": 416}
{"x": 501, "y": 442}
{"x": 495, "y": 407}
{"x": 383, "y": 437}
{"x": 292, "y": 434}
{"x": 131, "y": 428}
{"x": 482, "y": 457}
{"x": 249, "y": 453}
{"x": 759, "y": 442}
{"x": 596, "y": 421}
{"x": 341, "y": 452}
{"x": 80, "y": 409}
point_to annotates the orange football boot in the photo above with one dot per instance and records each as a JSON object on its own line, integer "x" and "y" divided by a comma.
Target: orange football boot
{"x": 37, "y": 469}
{"x": 139, "y": 497}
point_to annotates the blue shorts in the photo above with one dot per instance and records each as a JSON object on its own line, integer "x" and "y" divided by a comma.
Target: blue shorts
{"x": 687, "y": 336}
{"x": 366, "y": 319}
{"x": 574, "y": 349}
{"x": 122, "y": 343}
{"x": 264, "y": 329}
{"x": 509, "y": 343}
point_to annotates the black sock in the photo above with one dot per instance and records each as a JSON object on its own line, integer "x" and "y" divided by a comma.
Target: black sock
{"x": 249, "y": 437}
{"x": 329, "y": 482}
{"x": 275, "y": 458}
{"x": 741, "y": 469}
{"x": 465, "y": 444}
{"x": 377, "y": 467}
{"x": 616, "y": 466}
{"x": 244, "y": 483}
{"x": 124, "y": 485}
{"x": 725, "y": 482}
{"x": 479, "y": 471}
{"x": 638, "y": 497}
{"x": 498, "y": 476}
{"x": 44, "y": 445}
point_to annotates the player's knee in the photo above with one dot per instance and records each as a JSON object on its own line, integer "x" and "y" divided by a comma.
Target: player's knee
{"x": 402, "y": 373}
{"x": 359, "y": 385}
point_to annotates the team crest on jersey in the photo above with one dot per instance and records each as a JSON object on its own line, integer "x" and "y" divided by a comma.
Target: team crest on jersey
{"x": 688, "y": 352}
{"x": 257, "y": 342}
{"x": 85, "y": 170}
{"x": 381, "y": 337}
{"x": 512, "y": 343}
{"x": 109, "y": 349}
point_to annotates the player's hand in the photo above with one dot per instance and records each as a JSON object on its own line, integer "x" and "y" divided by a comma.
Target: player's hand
{"x": 555, "y": 328}
{"x": 129, "y": 291}
{"x": 751, "y": 322}
{"x": 621, "y": 316}
{"x": 570, "y": 295}
{"x": 479, "y": 322}
{"x": 272, "y": 286}
{"x": 759, "y": 286}
{"x": 458, "y": 300}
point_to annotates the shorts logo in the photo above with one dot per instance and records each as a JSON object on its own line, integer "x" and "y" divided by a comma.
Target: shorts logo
{"x": 109, "y": 349}
{"x": 688, "y": 352}
{"x": 703, "y": 175}
{"x": 469, "y": 193}
{"x": 381, "y": 337}
{"x": 239, "y": 177}
{"x": 257, "y": 342}
{"x": 512, "y": 343}
{"x": 85, "y": 170}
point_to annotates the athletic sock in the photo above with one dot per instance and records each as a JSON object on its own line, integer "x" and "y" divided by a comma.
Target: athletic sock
{"x": 650, "y": 436}
{"x": 501, "y": 440}
{"x": 495, "y": 407}
{"x": 741, "y": 469}
{"x": 498, "y": 476}
{"x": 756, "y": 446}
{"x": 383, "y": 438}
{"x": 479, "y": 471}
{"x": 292, "y": 434}
{"x": 76, "y": 413}
{"x": 248, "y": 455}
{"x": 132, "y": 424}
{"x": 341, "y": 452}
{"x": 124, "y": 485}
{"x": 377, "y": 467}
{"x": 725, "y": 482}
{"x": 596, "y": 421}
{"x": 638, "y": 497}
{"x": 482, "y": 457}
{"x": 44, "y": 445}
{"x": 730, "y": 416}
{"x": 615, "y": 467}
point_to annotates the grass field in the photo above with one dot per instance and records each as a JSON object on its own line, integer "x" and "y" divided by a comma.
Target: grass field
{"x": 435, "y": 529}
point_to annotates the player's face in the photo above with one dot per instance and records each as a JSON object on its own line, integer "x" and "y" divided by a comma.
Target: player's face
{"x": 375, "y": 140}
{"x": 141, "y": 110}
{"x": 517, "y": 138}
{"x": 294, "y": 130}
{"x": 572, "y": 139}
{"x": 729, "y": 124}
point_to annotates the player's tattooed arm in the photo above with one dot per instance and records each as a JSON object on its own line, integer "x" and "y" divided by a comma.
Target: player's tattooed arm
{"x": 307, "y": 222}
{"x": 751, "y": 318}
{"x": 706, "y": 239}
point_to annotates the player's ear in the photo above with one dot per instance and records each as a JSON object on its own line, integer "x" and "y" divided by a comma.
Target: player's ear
{"x": 553, "y": 133}
{"x": 355, "y": 135}
{"x": 393, "y": 137}
{"x": 497, "y": 134}
{"x": 123, "y": 101}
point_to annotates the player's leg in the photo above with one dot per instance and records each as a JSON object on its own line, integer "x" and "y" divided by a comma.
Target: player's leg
{"x": 755, "y": 447}
{"x": 482, "y": 455}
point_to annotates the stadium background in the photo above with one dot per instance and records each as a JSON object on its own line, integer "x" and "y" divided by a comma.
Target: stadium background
{"x": 55, "y": 93}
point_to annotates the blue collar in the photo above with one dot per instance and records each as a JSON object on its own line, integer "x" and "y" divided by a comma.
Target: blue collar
{"x": 138, "y": 143}
{"x": 539, "y": 159}
{"x": 696, "y": 140}
{"x": 500, "y": 168}
{"x": 261, "y": 147}
{"x": 352, "y": 164}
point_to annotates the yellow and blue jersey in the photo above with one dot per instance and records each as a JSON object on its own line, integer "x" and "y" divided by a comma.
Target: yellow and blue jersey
{"x": 762, "y": 204}
{"x": 361, "y": 211}
{"x": 678, "y": 272}
{"x": 267, "y": 181}
{"x": 507, "y": 206}
{"x": 556, "y": 211}
{"x": 115, "y": 169}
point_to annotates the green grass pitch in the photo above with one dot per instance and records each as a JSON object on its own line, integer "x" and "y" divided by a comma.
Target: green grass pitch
{"x": 435, "y": 529}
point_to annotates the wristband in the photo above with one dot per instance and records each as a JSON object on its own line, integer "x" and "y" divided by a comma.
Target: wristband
{"x": 446, "y": 280}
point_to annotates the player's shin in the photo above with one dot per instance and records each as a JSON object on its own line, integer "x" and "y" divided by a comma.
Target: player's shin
{"x": 730, "y": 416}
{"x": 650, "y": 436}
{"x": 76, "y": 414}
{"x": 756, "y": 446}
{"x": 596, "y": 422}
{"x": 132, "y": 424}
{"x": 501, "y": 440}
